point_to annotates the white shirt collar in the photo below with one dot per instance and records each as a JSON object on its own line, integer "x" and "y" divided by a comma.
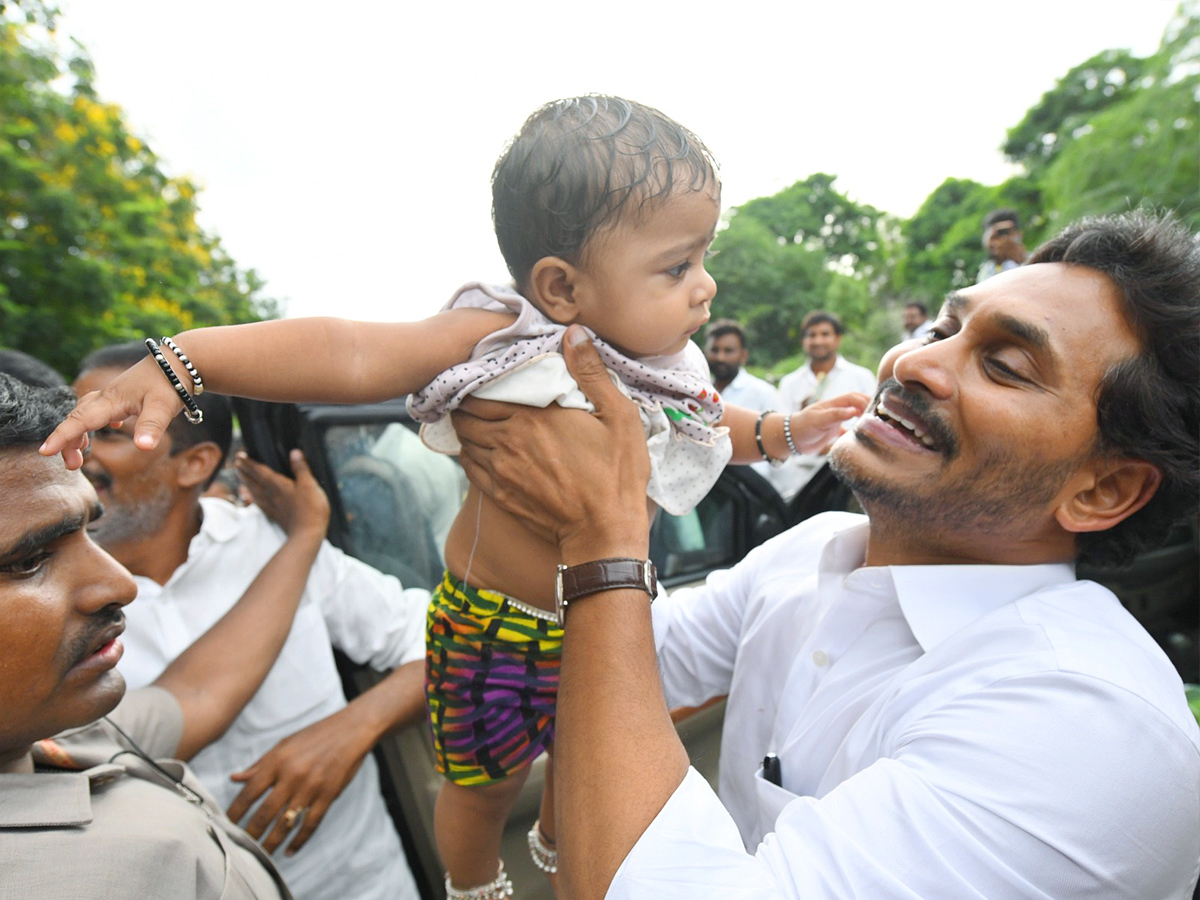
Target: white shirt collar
{"x": 937, "y": 601}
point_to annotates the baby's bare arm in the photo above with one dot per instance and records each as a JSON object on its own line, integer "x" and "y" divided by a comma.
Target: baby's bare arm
{"x": 297, "y": 360}
{"x": 813, "y": 428}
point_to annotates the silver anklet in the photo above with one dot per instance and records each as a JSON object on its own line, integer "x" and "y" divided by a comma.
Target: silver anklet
{"x": 500, "y": 889}
{"x": 544, "y": 856}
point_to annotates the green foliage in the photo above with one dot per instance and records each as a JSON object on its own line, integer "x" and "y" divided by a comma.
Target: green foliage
{"x": 96, "y": 243}
{"x": 1144, "y": 149}
{"x": 807, "y": 247}
{"x": 1064, "y": 111}
{"x": 942, "y": 239}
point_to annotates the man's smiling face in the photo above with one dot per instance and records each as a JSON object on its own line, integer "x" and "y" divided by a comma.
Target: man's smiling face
{"x": 982, "y": 430}
{"x": 60, "y": 599}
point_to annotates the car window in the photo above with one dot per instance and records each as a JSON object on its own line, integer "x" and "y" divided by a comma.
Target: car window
{"x": 397, "y": 497}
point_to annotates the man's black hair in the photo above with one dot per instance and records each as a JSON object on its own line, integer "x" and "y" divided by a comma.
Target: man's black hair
{"x": 821, "y": 317}
{"x": 718, "y": 328}
{"x": 918, "y": 305}
{"x": 29, "y": 369}
{"x": 1001, "y": 215}
{"x": 576, "y": 164}
{"x": 1147, "y": 407}
{"x": 217, "y": 426}
{"x": 28, "y": 413}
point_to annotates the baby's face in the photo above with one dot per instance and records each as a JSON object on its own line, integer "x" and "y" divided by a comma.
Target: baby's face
{"x": 642, "y": 287}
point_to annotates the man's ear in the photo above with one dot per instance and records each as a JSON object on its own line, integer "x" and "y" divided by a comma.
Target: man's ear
{"x": 1119, "y": 489}
{"x": 197, "y": 463}
{"x": 552, "y": 283}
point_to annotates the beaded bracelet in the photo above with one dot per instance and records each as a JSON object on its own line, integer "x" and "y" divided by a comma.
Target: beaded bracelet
{"x": 191, "y": 411}
{"x": 758, "y": 440}
{"x": 787, "y": 434}
{"x": 197, "y": 381}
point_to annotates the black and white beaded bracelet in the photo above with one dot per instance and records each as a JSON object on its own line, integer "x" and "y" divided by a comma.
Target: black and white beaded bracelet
{"x": 191, "y": 411}
{"x": 197, "y": 381}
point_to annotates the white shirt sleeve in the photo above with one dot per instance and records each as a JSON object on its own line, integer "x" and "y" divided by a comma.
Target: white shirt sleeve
{"x": 956, "y": 814}
{"x": 370, "y": 617}
{"x": 697, "y": 632}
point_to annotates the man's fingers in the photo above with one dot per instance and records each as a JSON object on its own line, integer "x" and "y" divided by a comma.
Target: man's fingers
{"x": 248, "y": 794}
{"x": 271, "y": 806}
{"x": 475, "y": 419}
{"x": 299, "y": 464}
{"x": 587, "y": 368}
{"x": 312, "y": 819}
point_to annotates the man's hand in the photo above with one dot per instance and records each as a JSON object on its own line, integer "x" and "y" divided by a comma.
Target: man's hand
{"x": 306, "y": 772}
{"x": 577, "y": 478}
{"x": 294, "y": 504}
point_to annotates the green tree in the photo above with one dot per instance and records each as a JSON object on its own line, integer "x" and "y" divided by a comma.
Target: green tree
{"x": 1144, "y": 149}
{"x": 942, "y": 250}
{"x": 806, "y": 247}
{"x": 97, "y": 244}
{"x": 1063, "y": 112}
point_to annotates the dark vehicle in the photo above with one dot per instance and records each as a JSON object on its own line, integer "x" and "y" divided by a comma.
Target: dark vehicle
{"x": 393, "y": 500}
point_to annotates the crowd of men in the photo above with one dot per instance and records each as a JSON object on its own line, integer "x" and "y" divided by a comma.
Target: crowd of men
{"x": 922, "y": 701}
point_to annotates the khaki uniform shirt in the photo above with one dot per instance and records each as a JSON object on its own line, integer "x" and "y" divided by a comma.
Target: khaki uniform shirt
{"x": 96, "y": 820}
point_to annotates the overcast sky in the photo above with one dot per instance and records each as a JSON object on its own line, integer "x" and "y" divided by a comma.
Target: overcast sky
{"x": 344, "y": 150}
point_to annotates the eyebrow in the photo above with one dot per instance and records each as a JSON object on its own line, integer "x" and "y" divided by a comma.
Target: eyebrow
{"x": 33, "y": 541}
{"x": 683, "y": 249}
{"x": 1033, "y": 336}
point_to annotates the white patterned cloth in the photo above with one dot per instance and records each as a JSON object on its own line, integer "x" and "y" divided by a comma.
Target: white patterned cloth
{"x": 523, "y": 364}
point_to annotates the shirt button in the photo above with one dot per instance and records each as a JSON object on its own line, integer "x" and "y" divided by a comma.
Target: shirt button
{"x": 820, "y": 658}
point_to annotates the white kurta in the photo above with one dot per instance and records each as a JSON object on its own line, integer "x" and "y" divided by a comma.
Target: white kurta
{"x": 944, "y": 732}
{"x": 355, "y": 852}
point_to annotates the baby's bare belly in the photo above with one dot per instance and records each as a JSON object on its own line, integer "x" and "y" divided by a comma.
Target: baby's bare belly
{"x": 506, "y": 557}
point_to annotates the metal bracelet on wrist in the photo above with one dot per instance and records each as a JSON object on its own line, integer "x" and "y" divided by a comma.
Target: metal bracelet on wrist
{"x": 191, "y": 411}
{"x": 787, "y": 434}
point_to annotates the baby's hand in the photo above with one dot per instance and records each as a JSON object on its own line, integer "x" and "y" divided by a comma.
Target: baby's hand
{"x": 818, "y": 425}
{"x": 141, "y": 391}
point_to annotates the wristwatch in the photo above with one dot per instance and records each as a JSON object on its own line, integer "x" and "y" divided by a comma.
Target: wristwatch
{"x": 576, "y": 582}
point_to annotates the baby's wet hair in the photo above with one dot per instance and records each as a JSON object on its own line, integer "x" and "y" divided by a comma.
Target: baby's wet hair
{"x": 577, "y": 165}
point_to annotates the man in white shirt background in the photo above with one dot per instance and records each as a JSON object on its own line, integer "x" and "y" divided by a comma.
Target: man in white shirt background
{"x": 826, "y": 373}
{"x": 727, "y": 354}
{"x": 295, "y": 768}
{"x": 922, "y": 702}
{"x": 916, "y": 320}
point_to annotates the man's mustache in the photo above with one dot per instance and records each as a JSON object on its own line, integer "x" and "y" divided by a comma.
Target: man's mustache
{"x": 921, "y": 404}
{"x": 84, "y": 644}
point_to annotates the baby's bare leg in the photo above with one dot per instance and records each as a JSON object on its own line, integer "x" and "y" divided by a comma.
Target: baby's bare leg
{"x": 468, "y": 823}
{"x": 545, "y": 824}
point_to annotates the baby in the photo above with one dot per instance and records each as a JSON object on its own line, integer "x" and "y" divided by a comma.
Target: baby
{"x": 604, "y": 211}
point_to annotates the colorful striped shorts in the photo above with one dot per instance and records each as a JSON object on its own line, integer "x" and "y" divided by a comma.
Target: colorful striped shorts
{"x": 491, "y": 680}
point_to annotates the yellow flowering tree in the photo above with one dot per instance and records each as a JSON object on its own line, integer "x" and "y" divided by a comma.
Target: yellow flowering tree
{"x": 97, "y": 244}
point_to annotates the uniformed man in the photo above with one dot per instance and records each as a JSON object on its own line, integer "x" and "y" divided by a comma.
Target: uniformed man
{"x": 91, "y": 801}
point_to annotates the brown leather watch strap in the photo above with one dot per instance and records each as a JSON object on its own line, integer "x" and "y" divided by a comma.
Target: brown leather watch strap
{"x": 575, "y": 582}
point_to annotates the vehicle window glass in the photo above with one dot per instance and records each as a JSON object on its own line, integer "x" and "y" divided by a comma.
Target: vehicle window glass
{"x": 398, "y": 498}
{"x": 696, "y": 542}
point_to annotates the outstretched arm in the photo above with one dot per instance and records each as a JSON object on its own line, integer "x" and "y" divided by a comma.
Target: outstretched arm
{"x": 813, "y": 428}
{"x": 580, "y": 479}
{"x": 215, "y": 677}
{"x": 311, "y": 768}
{"x": 298, "y": 360}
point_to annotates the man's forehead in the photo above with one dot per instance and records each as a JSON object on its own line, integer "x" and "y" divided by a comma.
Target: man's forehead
{"x": 38, "y": 491}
